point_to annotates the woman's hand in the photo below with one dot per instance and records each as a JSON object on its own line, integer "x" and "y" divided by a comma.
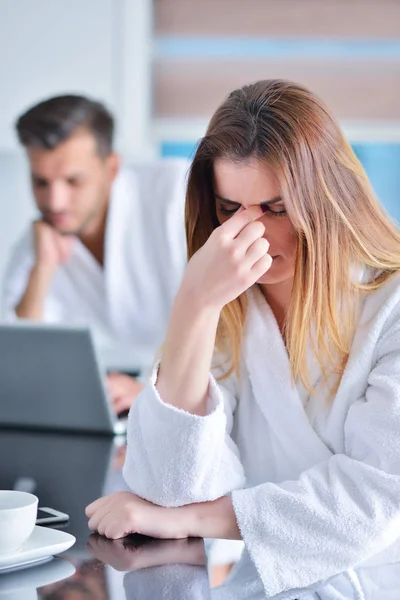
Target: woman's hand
{"x": 122, "y": 513}
{"x": 234, "y": 257}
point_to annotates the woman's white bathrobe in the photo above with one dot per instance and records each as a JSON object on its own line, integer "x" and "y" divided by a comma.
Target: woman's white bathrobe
{"x": 315, "y": 486}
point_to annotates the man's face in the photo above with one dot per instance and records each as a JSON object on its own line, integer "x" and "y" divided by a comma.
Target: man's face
{"x": 71, "y": 183}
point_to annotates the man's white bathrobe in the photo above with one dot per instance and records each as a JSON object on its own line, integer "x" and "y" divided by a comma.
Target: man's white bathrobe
{"x": 126, "y": 303}
{"x": 315, "y": 485}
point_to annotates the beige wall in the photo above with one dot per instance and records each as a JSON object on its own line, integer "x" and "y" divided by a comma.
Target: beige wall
{"x": 354, "y": 88}
{"x": 310, "y": 18}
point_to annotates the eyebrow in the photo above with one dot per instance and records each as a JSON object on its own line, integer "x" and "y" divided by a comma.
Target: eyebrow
{"x": 266, "y": 203}
{"x": 38, "y": 177}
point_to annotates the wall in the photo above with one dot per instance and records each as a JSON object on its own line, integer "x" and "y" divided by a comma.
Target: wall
{"x": 48, "y": 47}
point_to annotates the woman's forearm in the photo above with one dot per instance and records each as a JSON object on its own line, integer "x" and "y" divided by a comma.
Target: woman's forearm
{"x": 187, "y": 354}
{"x": 214, "y": 519}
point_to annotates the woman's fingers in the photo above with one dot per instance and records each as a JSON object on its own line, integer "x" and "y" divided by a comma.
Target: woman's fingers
{"x": 258, "y": 249}
{"x": 114, "y": 529}
{"x": 252, "y": 232}
{"x": 95, "y": 523}
{"x": 97, "y": 510}
{"x": 261, "y": 266}
{"x": 94, "y": 506}
{"x": 235, "y": 224}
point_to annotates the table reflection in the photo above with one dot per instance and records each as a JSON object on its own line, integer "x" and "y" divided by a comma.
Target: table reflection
{"x": 23, "y": 584}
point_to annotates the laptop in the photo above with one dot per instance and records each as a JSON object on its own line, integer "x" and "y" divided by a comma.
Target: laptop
{"x": 51, "y": 379}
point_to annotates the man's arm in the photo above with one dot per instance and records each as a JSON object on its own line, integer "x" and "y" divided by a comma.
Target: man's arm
{"x": 51, "y": 250}
{"x": 31, "y": 305}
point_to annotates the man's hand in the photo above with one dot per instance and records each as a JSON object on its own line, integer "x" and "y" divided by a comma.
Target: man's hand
{"x": 123, "y": 390}
{"x": 51, "y": 251}
{"x": 51, "y": 248}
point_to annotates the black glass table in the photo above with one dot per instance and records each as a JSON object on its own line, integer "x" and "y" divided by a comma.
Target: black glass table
{"x": 67, "y": 472}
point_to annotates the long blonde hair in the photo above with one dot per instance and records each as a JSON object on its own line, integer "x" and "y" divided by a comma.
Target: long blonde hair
{"x": 339, "y": 223}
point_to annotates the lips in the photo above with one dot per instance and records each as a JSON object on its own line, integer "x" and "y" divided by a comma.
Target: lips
{"x": 57, "y": 219}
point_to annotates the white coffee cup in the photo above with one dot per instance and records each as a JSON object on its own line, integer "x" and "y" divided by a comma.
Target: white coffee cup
{"x": 18, "y": 511}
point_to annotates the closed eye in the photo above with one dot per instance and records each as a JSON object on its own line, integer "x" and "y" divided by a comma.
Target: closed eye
{"x": 224, "y": 210}
{"x": 273, "y": 210}
{"x": 39, "y": 183}
{"x": 228, "y": 211}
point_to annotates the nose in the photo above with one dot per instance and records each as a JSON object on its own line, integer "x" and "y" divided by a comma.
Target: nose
{"x": 58, "y": 197}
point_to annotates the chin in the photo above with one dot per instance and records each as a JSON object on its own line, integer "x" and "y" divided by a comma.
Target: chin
{"x": 65, "y": 231}
{"x": 270, "y": 278}
{"x": 276, "y": 274}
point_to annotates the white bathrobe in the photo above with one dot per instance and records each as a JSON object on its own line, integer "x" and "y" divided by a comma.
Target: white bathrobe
{"x": 315, "y": 486}
{"x": 126, "y": 303}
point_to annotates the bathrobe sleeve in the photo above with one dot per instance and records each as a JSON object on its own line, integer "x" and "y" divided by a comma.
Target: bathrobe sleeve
{"x": 176, "y": 458}
{"x": 339, "y": 512}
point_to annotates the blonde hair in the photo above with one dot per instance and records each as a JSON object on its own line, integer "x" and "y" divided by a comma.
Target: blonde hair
{"x": 339, "y": 223}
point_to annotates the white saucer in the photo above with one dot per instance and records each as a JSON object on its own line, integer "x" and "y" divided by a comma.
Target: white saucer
{"x": 42, "y": 544}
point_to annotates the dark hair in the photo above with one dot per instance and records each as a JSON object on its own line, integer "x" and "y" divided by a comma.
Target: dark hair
{"x": 51, "y": 122}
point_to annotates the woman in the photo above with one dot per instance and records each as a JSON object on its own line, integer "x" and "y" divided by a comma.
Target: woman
{"x": 294, "y": 446}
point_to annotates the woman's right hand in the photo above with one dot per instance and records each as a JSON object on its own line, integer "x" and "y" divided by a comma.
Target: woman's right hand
{"x": 234, "y": 257}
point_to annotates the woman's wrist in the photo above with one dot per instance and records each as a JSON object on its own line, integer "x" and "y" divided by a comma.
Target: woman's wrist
{"x": 215, "y": 519}
{"x": 197, "y": 300}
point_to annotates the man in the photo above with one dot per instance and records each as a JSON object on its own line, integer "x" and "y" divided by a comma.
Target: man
{"x": 108, "y": 249}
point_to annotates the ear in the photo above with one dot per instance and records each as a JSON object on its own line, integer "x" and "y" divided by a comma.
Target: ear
{"x": 113, "y": 165}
